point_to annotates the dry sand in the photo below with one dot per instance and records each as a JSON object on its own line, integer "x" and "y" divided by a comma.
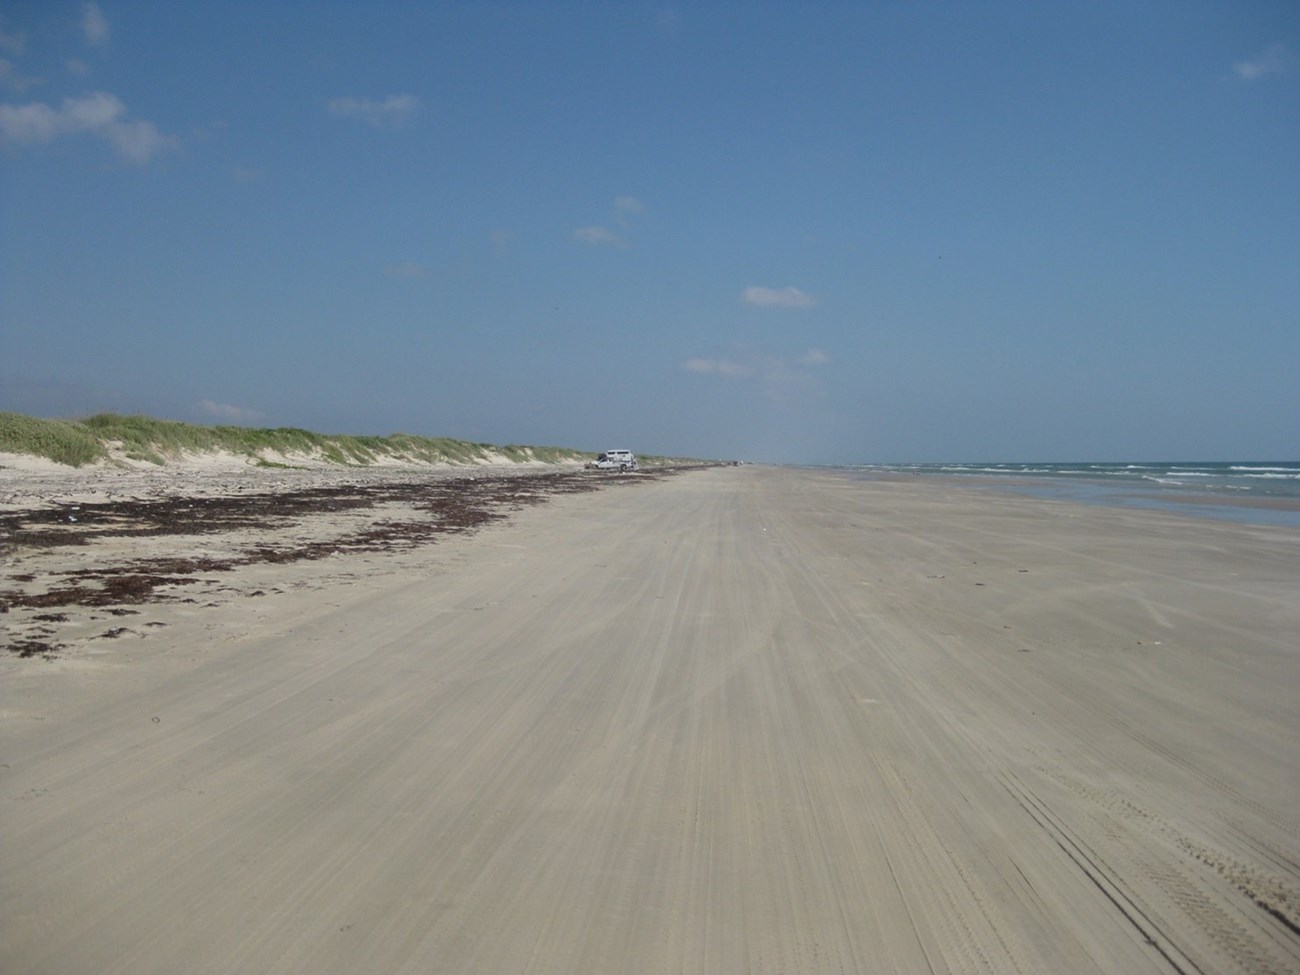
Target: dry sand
{"x": 735, "y": 720}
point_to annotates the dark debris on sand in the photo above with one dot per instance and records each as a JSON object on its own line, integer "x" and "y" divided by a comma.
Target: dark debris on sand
{"x": 442, "y": 506}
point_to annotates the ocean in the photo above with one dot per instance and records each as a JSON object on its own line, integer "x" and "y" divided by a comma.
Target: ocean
{"x": 1261, "y": 492}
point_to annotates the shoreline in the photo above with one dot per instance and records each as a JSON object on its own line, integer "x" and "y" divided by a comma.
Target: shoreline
{"x": 1217, "y": 506}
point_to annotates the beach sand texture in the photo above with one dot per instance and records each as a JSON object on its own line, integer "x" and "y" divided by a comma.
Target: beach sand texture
{"x": 733, "y": 720}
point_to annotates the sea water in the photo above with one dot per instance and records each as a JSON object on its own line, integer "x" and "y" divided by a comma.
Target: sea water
{"x": 1262, "y": 492}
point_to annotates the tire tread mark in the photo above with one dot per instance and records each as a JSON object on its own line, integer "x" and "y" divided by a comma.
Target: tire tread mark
{"x": 1091, "y": 867}
{"x": 1261, "y": 888}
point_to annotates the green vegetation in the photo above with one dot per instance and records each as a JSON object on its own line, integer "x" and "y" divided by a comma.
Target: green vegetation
{"x": 59, "y": 440}
{"x": 107, "y": 436}
{"x": 100, "y": 437}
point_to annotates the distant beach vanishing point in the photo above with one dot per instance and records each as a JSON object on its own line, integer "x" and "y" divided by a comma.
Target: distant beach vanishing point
{"x": 726, "y": 719}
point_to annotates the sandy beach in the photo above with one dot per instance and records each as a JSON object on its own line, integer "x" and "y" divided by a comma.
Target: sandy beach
{"x": 724, "y": 720}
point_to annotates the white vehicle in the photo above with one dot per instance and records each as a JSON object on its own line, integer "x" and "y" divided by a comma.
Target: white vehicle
{"x": 614, "y": 460}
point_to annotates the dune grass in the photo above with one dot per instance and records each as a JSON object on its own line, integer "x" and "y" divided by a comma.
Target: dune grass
{"x": 62, "y": 441}
{"x": 109, "y": 436}
{"x": 143, "y": 438}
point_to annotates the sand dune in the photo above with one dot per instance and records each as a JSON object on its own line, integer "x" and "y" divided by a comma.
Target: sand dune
{"x": 735, "y": 720}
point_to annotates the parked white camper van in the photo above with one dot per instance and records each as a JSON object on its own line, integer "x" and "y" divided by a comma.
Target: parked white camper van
{"x": 614, "y": 460}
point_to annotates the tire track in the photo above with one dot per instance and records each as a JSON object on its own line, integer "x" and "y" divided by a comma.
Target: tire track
{"x": 1170, "y": 866}
{"x": 1149, "y": 929}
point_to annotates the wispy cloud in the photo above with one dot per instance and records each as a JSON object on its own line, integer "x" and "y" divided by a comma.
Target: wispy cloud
{"x": 625, "y": 207}
{"x": 408, "y": 270}
{"x": 231, "y": 414}
{"x": 13, "y": 79}
{"x": 94, "y": 25}
{"x": 11, "y": 76}
{"x": 13, "y": 43}
{"x": 1274, "y": 59}
{"x": 598, "y": 236}
{"x": 99, "y": 113}
{"x": 777, "y": 297}
{"x": 138, "y": 141}
{"x": 813, "y": 357}
{"x": 779, "y": 378}
{"x": 389, "y": 113}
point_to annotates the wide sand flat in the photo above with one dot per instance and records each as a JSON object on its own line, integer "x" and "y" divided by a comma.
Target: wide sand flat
{"x": 737, "y": 720}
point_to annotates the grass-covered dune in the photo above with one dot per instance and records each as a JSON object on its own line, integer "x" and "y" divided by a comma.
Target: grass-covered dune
{"x": 109, "y": 438}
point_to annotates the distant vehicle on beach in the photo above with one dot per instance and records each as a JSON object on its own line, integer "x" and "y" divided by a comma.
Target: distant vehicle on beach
{"x": 613, "y": 460}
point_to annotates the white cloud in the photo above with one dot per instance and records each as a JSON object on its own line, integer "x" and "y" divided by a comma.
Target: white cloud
{"x": 98, "y": 110}
{"x": 777, "y": 297}
{"x": 138, "y": 141}
{"x": 98, "y": 113}
{"x": 28, "y": 124}
{"x": 598, "y": 237}
{"x": 77, "y": 66}
{"x": 232, "y": 414}
{"x": 1274, "y": 59}
{"x": 94, "y": 25}
{"x": 389, "y": 113}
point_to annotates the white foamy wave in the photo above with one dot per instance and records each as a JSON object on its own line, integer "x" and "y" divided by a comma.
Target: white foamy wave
{"x": 1264, "y": 479}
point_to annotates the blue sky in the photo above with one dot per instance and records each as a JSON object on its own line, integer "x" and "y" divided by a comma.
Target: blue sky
{"x": 811, "y": 233}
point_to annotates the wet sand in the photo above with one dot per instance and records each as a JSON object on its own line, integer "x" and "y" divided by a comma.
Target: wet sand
{"x": 732, "y": 720}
